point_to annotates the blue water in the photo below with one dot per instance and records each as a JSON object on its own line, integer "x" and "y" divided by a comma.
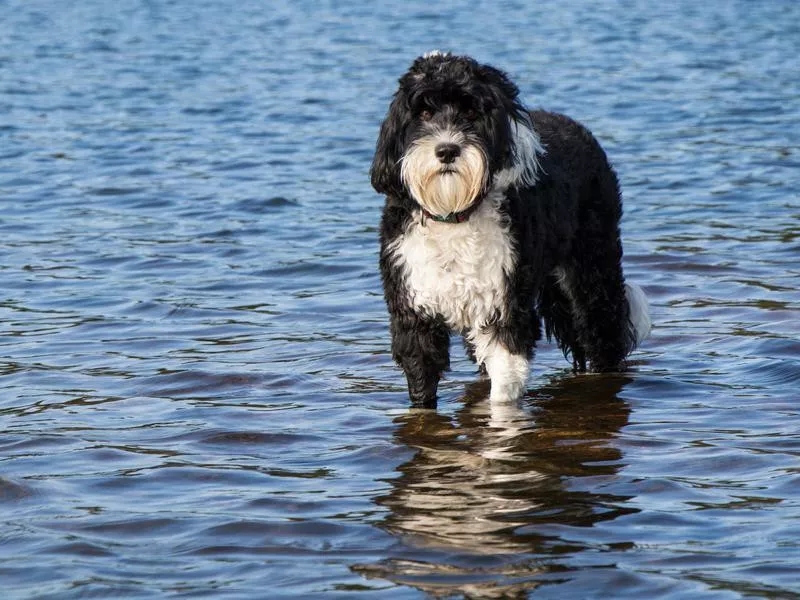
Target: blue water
{"x": 197, "y": 394}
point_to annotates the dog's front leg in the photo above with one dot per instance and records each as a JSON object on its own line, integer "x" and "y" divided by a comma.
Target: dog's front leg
{"x": 507, "y": 370}
{"x": 508, "y": 373}
{"x": 422, "y": 349}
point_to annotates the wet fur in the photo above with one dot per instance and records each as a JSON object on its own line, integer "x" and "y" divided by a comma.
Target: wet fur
{"x": 543, "y": 245}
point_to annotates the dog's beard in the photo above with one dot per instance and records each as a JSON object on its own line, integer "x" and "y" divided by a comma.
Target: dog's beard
{"x": 439, "y": 188}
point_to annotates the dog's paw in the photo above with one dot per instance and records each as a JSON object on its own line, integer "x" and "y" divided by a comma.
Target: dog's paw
{"x": 507, "y": 389}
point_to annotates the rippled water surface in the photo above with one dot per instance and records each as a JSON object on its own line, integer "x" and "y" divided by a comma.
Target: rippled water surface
{"x": 197, "y": 394}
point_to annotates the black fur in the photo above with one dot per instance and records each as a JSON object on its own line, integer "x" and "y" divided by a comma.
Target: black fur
{"x": 568, "y": 220}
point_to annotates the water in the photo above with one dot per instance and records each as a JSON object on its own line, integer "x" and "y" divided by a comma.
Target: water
{"x": 197, "y": 395}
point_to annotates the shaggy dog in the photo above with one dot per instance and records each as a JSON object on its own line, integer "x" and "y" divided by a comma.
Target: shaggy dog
{"x": 497, "y": 219}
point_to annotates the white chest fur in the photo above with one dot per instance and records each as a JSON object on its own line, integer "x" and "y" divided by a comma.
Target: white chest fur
{"x": 458, "y": 270}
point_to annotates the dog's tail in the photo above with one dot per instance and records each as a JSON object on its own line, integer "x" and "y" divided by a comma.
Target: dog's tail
{"x": 639, "y": 311}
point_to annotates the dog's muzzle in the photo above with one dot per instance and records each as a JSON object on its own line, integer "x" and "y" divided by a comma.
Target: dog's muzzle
{"x": 445, "y": 171}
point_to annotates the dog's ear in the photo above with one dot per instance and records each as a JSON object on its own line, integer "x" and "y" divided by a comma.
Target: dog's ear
{"x": 503, "y": 92}
{"x": 385, "y": 170}
{"x": 502, "y": 95}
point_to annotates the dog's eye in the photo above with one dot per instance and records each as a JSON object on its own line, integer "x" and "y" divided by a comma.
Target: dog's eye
{"x": 425, "y": 115}
{"x": 471, "y": 114}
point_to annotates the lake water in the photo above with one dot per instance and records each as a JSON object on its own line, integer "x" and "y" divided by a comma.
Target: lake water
{"x": 197, "y": 394}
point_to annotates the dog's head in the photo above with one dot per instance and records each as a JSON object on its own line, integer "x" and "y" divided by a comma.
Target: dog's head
{"x": 455, "y": 130}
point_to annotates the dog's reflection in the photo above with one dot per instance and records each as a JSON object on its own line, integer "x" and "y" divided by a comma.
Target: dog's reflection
{"x": 494, "y": 480}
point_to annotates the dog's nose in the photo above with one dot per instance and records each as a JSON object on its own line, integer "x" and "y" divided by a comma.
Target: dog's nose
{"x": 447, "y": 152}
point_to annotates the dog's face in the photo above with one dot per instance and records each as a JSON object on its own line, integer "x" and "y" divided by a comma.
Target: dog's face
{"x": 451, "y": 127}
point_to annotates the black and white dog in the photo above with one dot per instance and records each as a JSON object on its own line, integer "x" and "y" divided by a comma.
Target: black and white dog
{"x": 497, "y": 219}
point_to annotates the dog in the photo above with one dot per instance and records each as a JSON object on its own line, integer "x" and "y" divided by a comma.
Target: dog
{"x": 497, "y": 220}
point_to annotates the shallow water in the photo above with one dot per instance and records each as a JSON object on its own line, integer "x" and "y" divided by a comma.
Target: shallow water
{"x": 198, "y": 398}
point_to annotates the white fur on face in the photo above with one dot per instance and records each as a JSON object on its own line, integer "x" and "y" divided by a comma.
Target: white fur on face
{"x": 442, "y": 193}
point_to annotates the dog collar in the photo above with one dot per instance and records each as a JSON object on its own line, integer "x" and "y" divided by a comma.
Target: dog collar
{"x": 456, "y": 217}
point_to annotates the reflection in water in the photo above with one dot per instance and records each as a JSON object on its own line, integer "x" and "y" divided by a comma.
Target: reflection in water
{"x": 482, "y": 487}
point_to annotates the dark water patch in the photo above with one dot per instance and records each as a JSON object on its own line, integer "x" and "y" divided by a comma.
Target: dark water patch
{"x": 307, "y": 268}
{"x": 270, "y": 530}
{"x": 132, "y": 528}
{"x": 241, "y": 165}
{"x": 83, "y": 549}
{"x": 12, "y": 491}
{"x": 236, "y": 438}
{"x": 196, "y": 383}
{"x": 148, "y": 203}
{"x": 114, "y": 191}
{"x": 258, "y": 206}
{"x": 203, "y": 111}
{"x": 23, "y": 444}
